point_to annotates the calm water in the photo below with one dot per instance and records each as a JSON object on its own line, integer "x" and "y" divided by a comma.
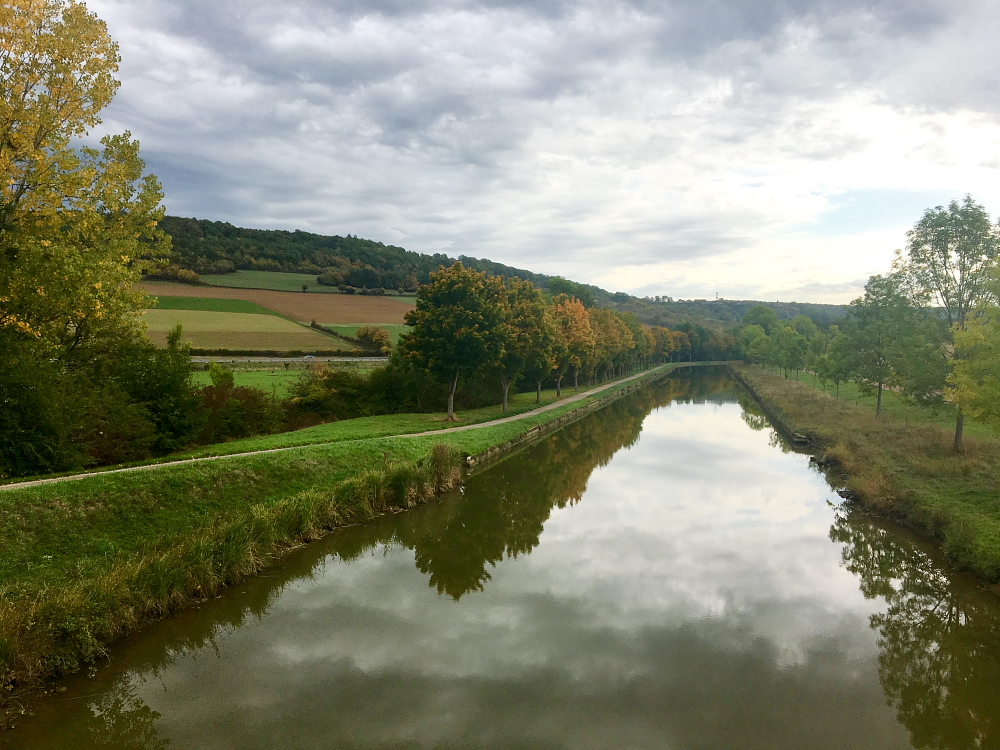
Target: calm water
{"x": 662, "y": 574}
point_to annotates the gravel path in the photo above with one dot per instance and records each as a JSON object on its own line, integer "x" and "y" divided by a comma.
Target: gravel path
{"x": 503, "y": 420}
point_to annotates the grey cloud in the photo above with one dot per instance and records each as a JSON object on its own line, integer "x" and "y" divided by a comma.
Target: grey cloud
{"x": 493, "y": 128}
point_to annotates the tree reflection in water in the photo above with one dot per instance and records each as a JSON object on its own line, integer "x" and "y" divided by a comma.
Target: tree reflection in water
{"x": 506, "y": 508}
{"x": 938, "y": 638}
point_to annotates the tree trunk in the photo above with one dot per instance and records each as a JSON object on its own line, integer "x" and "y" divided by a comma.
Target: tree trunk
{"x": 576, "y": 379}
{"x": 505, "y": 386}
{"x": 959, "y": 429}
{"x": 538, "y": 392}
{"x": 451, "y": 398}
{"x": 559, "y": 386}
{"x": 878, "y": 401}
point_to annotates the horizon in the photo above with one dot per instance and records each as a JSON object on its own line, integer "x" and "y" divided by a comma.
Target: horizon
{"x": 763, "y": 151}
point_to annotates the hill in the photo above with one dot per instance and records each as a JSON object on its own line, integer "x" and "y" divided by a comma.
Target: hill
{"x": 216, "y": 247}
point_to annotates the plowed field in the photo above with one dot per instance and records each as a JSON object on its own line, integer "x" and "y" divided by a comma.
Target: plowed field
{"x": 328, "y": 309}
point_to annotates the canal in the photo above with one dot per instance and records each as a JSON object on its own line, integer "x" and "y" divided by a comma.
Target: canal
{"x": 664, "y": 573}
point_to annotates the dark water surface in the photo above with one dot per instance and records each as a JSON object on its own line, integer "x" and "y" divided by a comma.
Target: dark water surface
{"x": 662, "y": 574}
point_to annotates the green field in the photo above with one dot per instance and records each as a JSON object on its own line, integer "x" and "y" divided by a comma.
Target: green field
{"x": 278, "y": 281}
{"x": 282, "y": 282}
{"x": 211, "y": 304}
{"x": 235, "y": 330}
{"x": 894, "y": 407}
{"x": 395, "y": 331}
{"x": 276, "y": 381}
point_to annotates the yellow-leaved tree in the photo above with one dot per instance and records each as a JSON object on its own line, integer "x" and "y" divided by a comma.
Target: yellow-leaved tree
{"x": 76, "y": 223}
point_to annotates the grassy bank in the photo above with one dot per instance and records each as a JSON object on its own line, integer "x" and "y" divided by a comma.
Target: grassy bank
{"x": 902, "y": 467}
{"x": 88, "y": 560}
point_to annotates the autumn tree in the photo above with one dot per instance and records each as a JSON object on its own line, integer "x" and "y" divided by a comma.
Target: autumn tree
{"x": 77, "y": 227}
{"x": 527, "y": 334}
{"x": 374, "y": 338}
{"x": 457, "y": 327}
{"x": 75, "y": 222}
{"x": 949, "y": 253}
{"x": 574, "y": 339}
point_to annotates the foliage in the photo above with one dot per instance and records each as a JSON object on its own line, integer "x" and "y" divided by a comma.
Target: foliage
{"x": 374, "y": 339}
{"x": 528, "y": 335}
{"x": 456, "y": 327}
{"x": 976, "y": 376}
{"x": 763, "y": 316}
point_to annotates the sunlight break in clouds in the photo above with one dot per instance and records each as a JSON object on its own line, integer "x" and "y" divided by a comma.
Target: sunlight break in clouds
{"x": 767, "y": 150}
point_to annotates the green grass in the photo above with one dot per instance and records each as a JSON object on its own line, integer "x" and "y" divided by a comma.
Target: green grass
{"x": 902, "y": 466}
{"x": 281, "y": 282}
{"x": 277, "y": 381}
{"x": 210, "y": 304}
{"x": 278, "y": 281}
{"x": 895, "y": 407}
{"x": 395, "y": 331}
{"x": 87, "y": 560}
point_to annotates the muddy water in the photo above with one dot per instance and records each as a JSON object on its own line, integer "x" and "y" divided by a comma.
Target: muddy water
{"x": 663, "y": 574}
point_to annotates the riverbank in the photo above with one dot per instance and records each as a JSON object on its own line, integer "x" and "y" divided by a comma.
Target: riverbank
{"x": 89, "y": 558}
{"x": 899, "y": 468}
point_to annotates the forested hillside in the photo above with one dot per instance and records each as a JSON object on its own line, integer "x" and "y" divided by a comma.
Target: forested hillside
{"x": 208, "y": 247}
{"x": 216, "y": 247}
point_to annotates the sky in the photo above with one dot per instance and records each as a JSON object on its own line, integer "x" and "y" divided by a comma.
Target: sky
{"x": 753, "y": 149}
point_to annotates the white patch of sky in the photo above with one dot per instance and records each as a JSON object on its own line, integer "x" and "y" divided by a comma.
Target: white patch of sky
{"x": 769, "y": 150}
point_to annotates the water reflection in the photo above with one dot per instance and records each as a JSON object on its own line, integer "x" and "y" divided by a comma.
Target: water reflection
{"x": 689, "y": 598}
{"x": 457, "y": 543}
{"x": 939, "y": 640}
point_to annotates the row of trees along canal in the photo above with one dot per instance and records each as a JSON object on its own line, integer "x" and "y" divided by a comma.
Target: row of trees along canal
{"x": 929, "y": 329}
{"x": 467, "y": 324}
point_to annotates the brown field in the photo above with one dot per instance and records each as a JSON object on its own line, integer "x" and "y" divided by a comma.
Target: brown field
{"x": 329, "y": 309}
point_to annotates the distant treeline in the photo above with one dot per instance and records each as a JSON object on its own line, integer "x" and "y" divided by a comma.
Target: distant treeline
{"x": 201, "y": 246}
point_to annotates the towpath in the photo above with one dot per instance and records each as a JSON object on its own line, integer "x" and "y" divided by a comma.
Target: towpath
{"x": 503, "y": 420}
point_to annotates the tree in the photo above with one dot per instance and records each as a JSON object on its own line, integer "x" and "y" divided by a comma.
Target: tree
{"x": 880, "y": 324}
{"x": 527, "y": 333}
{"x": 763, "y": 316}
{"x": 573, "y": 341}
{"x": 837, "y": 361}
{"x": 77, "y": 227}
{"x": 975, "y": 377}
{"x": 949, "y": 253}
{"x": 456, "y": 327}
{"x": 754, "y": 343}
{"x": 374, "y": 338}
{"x": 73, "y": 221}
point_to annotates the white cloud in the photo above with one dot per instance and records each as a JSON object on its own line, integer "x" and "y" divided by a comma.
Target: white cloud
{"x": 627, "y": 144}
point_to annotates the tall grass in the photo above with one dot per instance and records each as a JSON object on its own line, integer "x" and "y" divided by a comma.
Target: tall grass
{"x": 53, "y": 629}
{"x": 902, "y": 468}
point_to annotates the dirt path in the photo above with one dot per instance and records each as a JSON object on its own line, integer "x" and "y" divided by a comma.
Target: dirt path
{"x": 503, "y": 420}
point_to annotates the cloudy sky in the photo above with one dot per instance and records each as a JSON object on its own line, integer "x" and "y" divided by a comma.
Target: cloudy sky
{"x": 752, "y": 148}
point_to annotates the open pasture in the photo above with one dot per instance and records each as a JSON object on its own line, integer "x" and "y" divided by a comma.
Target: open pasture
{"x": 328, "y": 309}
{"x": 239, "y": 331}
{"x": 274, "y": 280}
{"x": 209, "y": 304}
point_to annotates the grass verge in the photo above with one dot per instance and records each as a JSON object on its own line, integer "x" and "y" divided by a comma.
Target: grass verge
{"x": 88, "y": 560}
{"x": 901, "y": 467}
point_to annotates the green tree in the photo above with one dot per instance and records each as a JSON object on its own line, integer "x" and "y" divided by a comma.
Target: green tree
{"x": 880, "y": 324}
{"x": 753, "y": 342}
{"x": 763, "y": 316}
{"x": 528, "y": 335}
{"x": 456, "y": 327}
{"x": 949, "y": 253}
